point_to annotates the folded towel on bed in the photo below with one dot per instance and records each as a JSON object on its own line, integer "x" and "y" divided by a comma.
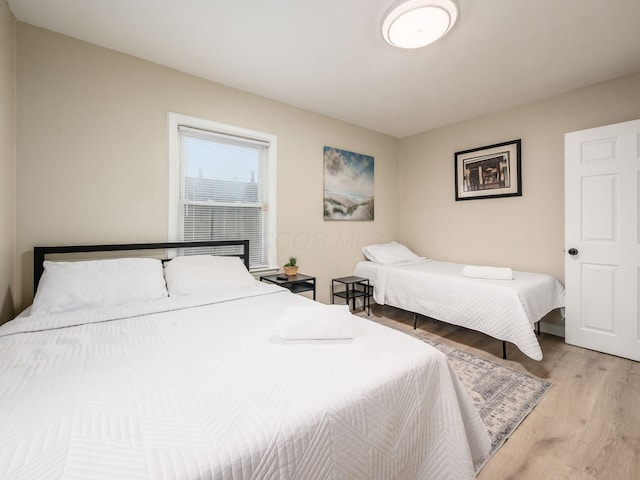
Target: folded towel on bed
{"x": 316, "y": 322}
{"x": 492, "y": 273}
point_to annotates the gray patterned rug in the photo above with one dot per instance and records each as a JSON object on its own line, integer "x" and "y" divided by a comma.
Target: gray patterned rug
{"x": 502, "y": 396}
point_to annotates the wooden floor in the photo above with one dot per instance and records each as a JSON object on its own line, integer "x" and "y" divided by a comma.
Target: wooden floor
{"x": 586, "y": 427}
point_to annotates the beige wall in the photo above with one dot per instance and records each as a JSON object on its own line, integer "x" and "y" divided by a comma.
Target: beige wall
{"x": 92, "y": 156}
{"x": 92, "y": 164}
{"x": 7, "y": 160}
{"x": 525, "y": 233}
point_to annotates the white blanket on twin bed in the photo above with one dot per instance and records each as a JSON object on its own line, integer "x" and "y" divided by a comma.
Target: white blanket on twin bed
{"x": 198, "y": 388}
{"x": 506, "y": 310}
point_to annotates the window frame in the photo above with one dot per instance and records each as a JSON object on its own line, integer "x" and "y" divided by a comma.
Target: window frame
{"x": 175, "y": 120}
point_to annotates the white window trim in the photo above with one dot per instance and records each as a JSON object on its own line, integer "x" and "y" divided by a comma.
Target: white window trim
{"x": 176, "y": 119}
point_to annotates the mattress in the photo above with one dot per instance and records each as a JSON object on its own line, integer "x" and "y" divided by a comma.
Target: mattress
{"x": 200, "y": 387}
{"x": 503, "y": 309}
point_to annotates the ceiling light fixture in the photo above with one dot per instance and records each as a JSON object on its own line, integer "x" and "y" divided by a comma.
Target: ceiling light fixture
{"x": 416, "y": 23}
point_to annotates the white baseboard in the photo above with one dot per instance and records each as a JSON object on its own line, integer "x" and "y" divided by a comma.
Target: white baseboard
{"x": 552, "y": 329}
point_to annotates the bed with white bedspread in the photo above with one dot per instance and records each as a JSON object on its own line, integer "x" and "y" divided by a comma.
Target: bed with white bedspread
{"x": 504, "y": 309}
{"x": 200, "y": 387}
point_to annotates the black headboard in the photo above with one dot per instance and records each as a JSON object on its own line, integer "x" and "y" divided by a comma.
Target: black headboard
{"x": 39, "y": 253}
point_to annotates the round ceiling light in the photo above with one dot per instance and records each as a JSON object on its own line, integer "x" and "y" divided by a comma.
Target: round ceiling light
{"x": 416, "y": 23}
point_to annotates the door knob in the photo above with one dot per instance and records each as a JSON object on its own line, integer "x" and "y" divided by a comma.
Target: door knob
{"x": 573, "y": 251}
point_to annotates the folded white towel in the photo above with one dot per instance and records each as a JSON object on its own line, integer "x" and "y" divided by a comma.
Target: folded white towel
{"x": 316, "y": 322}
{"x": 492, "y": 273}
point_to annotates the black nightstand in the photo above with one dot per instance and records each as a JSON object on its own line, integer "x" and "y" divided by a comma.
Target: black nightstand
{"x": 355, "y": 287}
{"x": 296, "y": 283}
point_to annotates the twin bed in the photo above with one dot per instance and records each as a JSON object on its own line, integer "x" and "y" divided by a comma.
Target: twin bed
{"x": 198, "y": 385}
{"x": 506, "y": 308}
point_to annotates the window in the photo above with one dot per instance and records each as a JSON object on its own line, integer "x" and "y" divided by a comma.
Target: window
{"x": 222, "y": 185}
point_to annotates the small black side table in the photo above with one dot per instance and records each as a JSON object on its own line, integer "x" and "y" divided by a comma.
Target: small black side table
{"x": 296, "y": 283}
{"x": 355, "y": 287}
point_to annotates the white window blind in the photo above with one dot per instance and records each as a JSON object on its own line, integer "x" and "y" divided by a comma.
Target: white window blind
{"x": 224, "y": 190}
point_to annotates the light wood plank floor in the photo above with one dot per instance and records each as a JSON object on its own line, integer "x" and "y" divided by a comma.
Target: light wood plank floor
{"x": 586, "y": 427}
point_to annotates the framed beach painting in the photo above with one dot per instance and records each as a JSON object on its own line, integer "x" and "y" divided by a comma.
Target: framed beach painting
{"x": 348, "y": 185}
{"x": 489, "y": 172}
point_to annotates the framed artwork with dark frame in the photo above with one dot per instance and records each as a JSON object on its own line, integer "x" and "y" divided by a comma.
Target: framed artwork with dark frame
{"x": 489, "y": 172}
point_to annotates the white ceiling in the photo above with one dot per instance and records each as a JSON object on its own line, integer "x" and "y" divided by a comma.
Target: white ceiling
{"x": 328, "y": 56}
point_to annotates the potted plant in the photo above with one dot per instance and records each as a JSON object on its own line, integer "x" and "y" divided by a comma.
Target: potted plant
{"x": 290, "y": 268}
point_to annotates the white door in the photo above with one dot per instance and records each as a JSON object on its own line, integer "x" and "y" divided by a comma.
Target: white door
{"x": 602, "y": 239}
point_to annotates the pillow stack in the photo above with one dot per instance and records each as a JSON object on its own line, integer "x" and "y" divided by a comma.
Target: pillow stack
{"x": 198, "y": 274}
{"x": 70, "y": 286}
{"x": 390, "y": 253}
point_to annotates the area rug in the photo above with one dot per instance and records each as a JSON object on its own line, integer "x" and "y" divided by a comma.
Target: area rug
{"x": 502, "y": 396}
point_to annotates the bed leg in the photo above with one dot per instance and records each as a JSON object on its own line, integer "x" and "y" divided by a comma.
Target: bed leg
{"x": 504, "y": 350}
{"x": 538, "y": 328}
{"x": 415, "y": 320}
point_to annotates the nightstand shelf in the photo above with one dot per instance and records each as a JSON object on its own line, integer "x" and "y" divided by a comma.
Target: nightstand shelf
{"x": 295, "y": 283}
{"x": 354, "y": 288}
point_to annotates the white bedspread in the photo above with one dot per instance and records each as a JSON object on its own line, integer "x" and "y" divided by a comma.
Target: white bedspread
{"x": 200, "y": 388}
{"x": 503, "y": 309}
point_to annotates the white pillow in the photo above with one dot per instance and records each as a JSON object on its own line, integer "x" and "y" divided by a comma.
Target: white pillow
{"x": 389, "y": 253}
{"x": 196, "y": 274}
{"x": 69, "y": 286}
{"x": 369, "y": 252}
